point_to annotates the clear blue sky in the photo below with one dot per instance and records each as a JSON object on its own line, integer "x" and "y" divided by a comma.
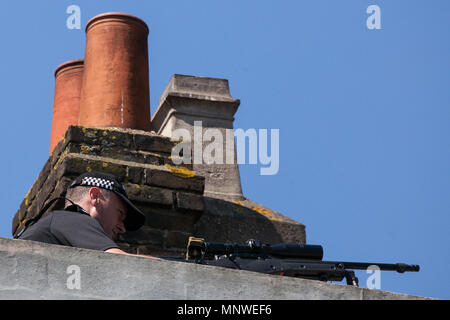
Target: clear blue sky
{"x": 363, "y": 114}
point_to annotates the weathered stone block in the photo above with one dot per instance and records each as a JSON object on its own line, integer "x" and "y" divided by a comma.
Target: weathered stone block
{"x": 174, "y": 180}
{"x": 151, "y": 195}
{"x": 60, "y": 191}
{"x": 153, "y": 143}
{"x": 76, "y": 164}
{"x": 32, "y": 211}
{"x": 168, "y": 219}
{"x": 44, "y": 193}
{"x": 135, "y": 175}
{"x": 189, "y": 201}
{"x": 16, "y": 221}
{"x": 144, "y": 236}
{"x": 41, "y": 178}
{"x": 62, "y": 144}
{"x": 99, "y": 136}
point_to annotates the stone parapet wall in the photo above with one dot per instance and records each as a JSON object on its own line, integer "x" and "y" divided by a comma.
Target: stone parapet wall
{"x": 33, "y": 270}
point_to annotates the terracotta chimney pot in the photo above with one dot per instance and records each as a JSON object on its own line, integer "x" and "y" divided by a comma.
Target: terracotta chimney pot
{"x": 66, "y": 102}
{"x": 115, "y": 89}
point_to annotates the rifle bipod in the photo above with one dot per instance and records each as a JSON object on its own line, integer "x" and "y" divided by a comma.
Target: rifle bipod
{"x": 351, "y": 278}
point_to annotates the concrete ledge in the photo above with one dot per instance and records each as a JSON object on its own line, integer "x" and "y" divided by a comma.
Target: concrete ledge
{"x": 33, "y": 270}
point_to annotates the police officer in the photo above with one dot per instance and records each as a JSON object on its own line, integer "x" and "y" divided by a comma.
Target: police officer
{"x": 97, "y": 211}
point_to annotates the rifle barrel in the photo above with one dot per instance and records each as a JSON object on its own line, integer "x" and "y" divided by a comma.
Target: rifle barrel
{"x": 399, "y": 267}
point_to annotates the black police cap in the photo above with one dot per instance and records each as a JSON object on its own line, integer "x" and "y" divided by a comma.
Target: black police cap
{"x": 135, "y": 218}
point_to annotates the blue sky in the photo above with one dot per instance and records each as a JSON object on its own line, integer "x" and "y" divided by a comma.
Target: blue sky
{"x": 363, "y": 114}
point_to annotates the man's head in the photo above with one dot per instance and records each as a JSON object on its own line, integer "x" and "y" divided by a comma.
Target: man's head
{"x": 105, "y": 199}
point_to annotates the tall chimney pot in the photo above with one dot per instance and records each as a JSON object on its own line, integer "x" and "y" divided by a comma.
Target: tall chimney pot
{"x": 66, "y": 102}
{"x": 115, "y": 89}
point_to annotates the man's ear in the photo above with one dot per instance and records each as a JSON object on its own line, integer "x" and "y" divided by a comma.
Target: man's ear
{"x": 94, "y": 195}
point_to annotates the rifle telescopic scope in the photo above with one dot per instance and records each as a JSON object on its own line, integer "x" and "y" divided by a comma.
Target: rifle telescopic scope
{"x": 282, "y": 250}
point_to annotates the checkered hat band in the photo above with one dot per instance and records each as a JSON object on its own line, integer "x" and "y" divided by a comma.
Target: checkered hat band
{"x": 97, "y": 182}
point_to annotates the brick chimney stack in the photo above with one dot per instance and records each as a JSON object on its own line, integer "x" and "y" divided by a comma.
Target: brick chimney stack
{"x": 66, "y": 102}
{"x": 115, "y": 89}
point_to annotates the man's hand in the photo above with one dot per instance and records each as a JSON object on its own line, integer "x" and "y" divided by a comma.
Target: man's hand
{"x": 117, "y": 250}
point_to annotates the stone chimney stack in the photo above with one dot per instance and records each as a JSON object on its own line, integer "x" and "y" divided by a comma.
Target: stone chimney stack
{"x": 66, "y": 102}
{"x": 115, "y": 89}
{"x": 187, "y": 100}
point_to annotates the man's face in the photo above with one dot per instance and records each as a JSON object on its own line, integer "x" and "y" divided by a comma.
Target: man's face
{"x": 111, "y": 214}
